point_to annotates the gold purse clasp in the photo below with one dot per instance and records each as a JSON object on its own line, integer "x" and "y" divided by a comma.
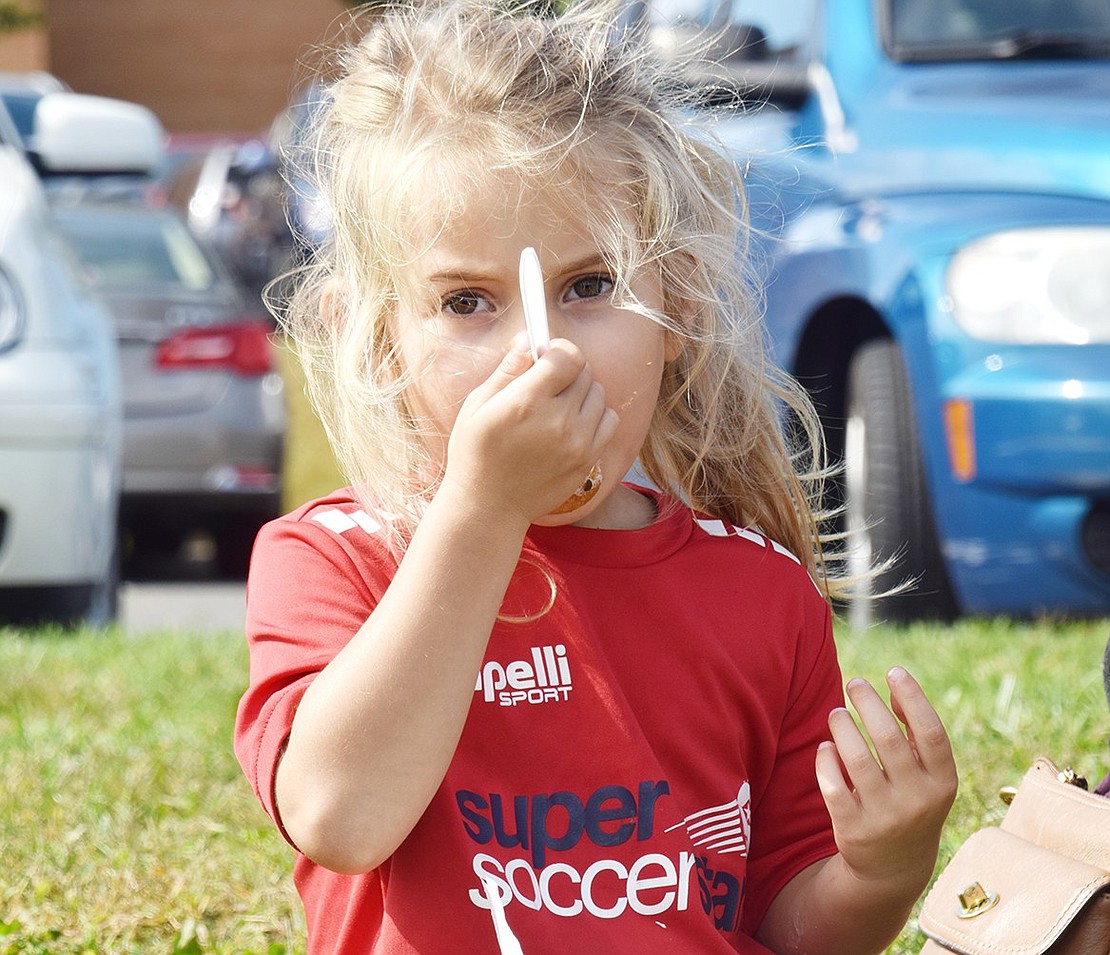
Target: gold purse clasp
{"x": 975, "y": 900}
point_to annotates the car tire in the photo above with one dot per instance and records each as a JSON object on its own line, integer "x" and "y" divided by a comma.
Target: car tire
{"x": 69, "y": 606}
{"x": 887, "y": 508}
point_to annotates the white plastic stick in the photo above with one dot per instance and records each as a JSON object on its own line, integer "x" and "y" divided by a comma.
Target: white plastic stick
{"x": 506, "y": 941}
{"x": 533, "y": 297}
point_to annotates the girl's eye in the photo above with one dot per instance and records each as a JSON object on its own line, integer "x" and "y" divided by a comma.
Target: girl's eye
{"x": 591, "y": 286}
{"x": 466, "y": 302}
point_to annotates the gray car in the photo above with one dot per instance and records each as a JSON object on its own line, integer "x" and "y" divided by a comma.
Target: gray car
{"x": 204, "y": 412}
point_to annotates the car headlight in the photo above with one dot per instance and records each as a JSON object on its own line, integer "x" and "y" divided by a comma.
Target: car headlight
{"x": 12, "y": 314}
{"x": 1034, "y": 286}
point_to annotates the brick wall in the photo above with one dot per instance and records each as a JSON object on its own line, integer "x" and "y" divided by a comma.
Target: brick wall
{"x": 201, "y": 65}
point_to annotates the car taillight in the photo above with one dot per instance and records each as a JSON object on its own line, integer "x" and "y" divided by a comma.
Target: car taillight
{"x": 243, "y": 348}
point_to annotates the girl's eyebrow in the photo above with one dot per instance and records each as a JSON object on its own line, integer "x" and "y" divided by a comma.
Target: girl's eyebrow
{"x": 446, "y": 276}
{"x": 454, "y": 267}
{"x": 593, "y": 260}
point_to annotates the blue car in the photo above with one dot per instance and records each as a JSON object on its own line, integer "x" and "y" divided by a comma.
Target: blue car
{"x": 929, "y": 182}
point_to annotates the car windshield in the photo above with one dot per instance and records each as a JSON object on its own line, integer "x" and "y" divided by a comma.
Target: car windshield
{"x": 784, "y": 25}
{"x": 925, "y": 30}
{"x": 132, "y": 252}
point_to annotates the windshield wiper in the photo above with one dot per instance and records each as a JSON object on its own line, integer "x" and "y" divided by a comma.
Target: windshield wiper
{"x": 1034, "y": 44}
{"x": 1018, "y": 45}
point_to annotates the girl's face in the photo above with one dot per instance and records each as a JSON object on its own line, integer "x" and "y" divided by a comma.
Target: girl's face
{"x": 460, "y": 309}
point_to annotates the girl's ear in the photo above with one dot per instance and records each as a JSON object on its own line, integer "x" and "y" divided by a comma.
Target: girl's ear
{"x": 330, "y": 302}
{"x": 680, "y": 311}
{"x": 673, "y": 345}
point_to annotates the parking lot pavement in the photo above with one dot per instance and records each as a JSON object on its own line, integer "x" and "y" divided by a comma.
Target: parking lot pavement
{"x": 214, "y": 606}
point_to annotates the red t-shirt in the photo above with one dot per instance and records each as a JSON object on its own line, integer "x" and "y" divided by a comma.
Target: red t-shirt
{"x": 636, "y": 770}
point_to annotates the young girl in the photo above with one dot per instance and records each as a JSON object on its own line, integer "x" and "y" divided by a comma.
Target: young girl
{"x": 491, "y": 711}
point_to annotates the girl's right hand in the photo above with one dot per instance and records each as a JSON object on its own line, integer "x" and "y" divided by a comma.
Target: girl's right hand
{"x": 526, "y": 437}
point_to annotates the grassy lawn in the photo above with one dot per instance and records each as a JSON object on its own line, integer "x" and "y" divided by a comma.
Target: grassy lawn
{"x": 125, "y": 822}
{"x": 126, "y": 825}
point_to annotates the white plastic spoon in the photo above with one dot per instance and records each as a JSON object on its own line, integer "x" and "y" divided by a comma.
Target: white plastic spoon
{"x": 532, "y": 295}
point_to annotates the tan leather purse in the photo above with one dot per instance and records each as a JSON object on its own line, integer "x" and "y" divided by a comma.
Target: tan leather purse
{"x": 1039, "y": 883}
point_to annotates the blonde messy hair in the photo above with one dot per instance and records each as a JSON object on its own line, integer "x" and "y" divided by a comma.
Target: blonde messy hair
{"x": 433, "y": 97}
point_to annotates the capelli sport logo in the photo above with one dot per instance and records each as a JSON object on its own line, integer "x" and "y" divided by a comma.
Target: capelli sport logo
{"x": 543, "y": 677}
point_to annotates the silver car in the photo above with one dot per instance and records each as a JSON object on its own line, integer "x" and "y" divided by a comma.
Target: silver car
{"x": 60, "y": 416}
{"x": 204, "y": 411}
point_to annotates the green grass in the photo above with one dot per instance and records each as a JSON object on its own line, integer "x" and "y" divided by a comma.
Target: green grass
{"x": 126, "y": 825}
{"x": 125, "y": 822}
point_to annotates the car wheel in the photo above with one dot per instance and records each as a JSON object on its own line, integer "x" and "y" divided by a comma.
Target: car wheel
{"x": 888, "y": 512}
{"x": 70, "y": 606}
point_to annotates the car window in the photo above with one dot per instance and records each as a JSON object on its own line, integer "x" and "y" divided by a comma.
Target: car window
{"x": 785, "y": 25}
{"x": 21, "y": 111}
{"x": 190, "y": 268}
{"x": 132, "y": 252}
{"x": 998, "y": 29}
{"x": 700, "y": 12}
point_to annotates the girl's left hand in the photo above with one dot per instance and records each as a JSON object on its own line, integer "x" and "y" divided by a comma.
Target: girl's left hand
{"x": 888, "y": 807}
